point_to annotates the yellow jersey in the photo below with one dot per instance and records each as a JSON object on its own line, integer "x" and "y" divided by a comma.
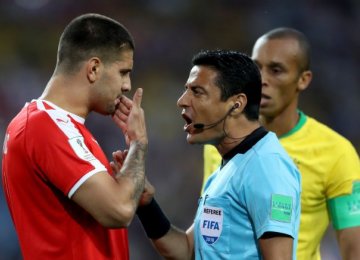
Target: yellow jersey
{"x": 329, "y": 166}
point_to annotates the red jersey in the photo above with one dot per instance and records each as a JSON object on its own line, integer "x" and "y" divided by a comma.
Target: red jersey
{"x": 48, "y": 153}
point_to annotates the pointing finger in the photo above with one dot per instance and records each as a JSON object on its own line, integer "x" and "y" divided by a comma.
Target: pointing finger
{"x": 138, "y": 97}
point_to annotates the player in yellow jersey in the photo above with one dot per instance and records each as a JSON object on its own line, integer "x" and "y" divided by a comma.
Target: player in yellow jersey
{"x": 329, "y": 164}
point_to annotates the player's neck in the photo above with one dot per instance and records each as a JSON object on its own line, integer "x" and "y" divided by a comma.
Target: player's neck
{"x": 66, "y": 94}
{"x": 282, "y": 123}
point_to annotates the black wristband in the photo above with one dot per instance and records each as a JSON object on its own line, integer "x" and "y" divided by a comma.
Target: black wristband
{"x": 153, "y": 220}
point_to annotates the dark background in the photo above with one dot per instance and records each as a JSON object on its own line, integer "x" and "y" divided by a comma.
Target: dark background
{"x": 167, "y": 33}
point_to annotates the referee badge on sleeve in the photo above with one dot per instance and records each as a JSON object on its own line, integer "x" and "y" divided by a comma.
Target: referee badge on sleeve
{"x": 211, "y": 223}
{"x": 281, "y": 207}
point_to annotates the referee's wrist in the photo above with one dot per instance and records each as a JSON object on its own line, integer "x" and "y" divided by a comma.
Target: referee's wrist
{"x": 153, "y": 220}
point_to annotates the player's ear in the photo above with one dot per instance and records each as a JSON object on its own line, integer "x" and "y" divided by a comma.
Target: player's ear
{"x": 92, "y": 69}
{"x": 304, "y": 80}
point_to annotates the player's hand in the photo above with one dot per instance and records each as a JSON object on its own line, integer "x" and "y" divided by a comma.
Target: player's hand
{"x": 148, "y": 193}
{"x": 129, "y": 116}
{"x": 118, "y": 160}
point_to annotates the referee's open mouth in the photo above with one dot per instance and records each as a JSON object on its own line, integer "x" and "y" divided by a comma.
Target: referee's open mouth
{"x": 188, "y": 121}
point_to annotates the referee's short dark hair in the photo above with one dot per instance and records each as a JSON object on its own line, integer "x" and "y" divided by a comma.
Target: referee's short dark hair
{"x": 237, "y": 73}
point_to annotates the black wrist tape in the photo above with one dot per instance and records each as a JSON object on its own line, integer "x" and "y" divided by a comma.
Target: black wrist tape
{"x": 153, "y": 220}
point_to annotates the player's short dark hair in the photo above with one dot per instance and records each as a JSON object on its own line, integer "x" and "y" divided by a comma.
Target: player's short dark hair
{"x": 237, "y": 73}
{"x": 92, "y": 35}
{"x": 304, "y": 45}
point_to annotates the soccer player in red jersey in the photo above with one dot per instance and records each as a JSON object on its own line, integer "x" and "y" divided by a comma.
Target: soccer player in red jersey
{"x": 64, "y": 197}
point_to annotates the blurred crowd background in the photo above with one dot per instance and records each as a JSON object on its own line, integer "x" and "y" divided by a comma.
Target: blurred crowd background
{"x": 167, "y": 33}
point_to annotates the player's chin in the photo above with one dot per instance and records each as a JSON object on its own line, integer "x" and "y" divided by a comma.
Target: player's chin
{"x": 268, "y": 112}
{"x": 106, "y": 112}
{"x": 265, "y": 110}
{"x": 110, "y": 110}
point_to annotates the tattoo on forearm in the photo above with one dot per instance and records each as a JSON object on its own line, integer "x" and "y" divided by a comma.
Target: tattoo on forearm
{"x": 134, "y": 168}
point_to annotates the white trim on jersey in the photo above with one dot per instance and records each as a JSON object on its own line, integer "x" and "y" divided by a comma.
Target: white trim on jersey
{"x": 75, "y": 138}
{"x": 40, "y": 104}
{"x": 81, "y": 181}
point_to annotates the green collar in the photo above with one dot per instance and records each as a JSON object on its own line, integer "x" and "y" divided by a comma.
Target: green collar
{"x": 300, "y": 123}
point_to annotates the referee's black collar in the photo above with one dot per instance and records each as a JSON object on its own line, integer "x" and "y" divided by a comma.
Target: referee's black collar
{"x": 245, "y": 145}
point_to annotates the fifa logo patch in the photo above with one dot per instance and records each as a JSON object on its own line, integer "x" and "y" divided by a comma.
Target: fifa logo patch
{"x": 80, "y": 148}
{"x": 281, "y": 208}
{"x": 211, "y": 224}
